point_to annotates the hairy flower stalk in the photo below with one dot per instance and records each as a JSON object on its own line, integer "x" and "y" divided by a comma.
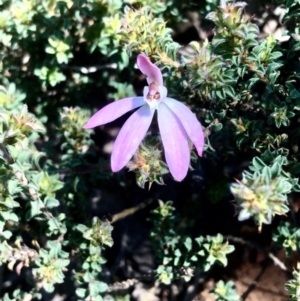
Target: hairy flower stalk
{"x": 176, "y": 123}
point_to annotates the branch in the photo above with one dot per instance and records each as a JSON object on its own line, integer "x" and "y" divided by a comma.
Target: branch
{"x": 275, "y": 259}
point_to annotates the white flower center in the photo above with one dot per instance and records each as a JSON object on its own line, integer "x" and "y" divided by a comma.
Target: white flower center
{"x": 154, "y": 94}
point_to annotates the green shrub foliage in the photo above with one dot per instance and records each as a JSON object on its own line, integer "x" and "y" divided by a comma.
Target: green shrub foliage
{"x": 61, "y": 61}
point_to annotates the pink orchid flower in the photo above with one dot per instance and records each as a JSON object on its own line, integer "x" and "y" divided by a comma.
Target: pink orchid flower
{"x": 176, "y": 123}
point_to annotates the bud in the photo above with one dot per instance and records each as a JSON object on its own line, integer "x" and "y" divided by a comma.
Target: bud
{"x": 148, "y": 165}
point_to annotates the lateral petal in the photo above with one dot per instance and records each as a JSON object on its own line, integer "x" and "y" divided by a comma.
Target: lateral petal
{"x": 189, "y": 121}
{"x": 113, "y": 111}
{"x": 175, "y": 142}
{"x": 130, "y": 137}
{"x": 152, "y": 72}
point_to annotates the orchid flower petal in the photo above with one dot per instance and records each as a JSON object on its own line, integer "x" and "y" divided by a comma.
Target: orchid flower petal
{"x": 130, "y": 137}
{"x": 189, "y": 121}
{"x": 152, "y": 72}
{"x": 175, "y": 142}
{"x": 113, "y": 111}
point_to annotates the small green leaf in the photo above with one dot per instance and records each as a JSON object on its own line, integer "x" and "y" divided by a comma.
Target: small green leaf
{"x": 188, "y": 243}
{"x": 51, "y": 202}
{"x": 81, "y": 292}
{"x": 6, "y": 234}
